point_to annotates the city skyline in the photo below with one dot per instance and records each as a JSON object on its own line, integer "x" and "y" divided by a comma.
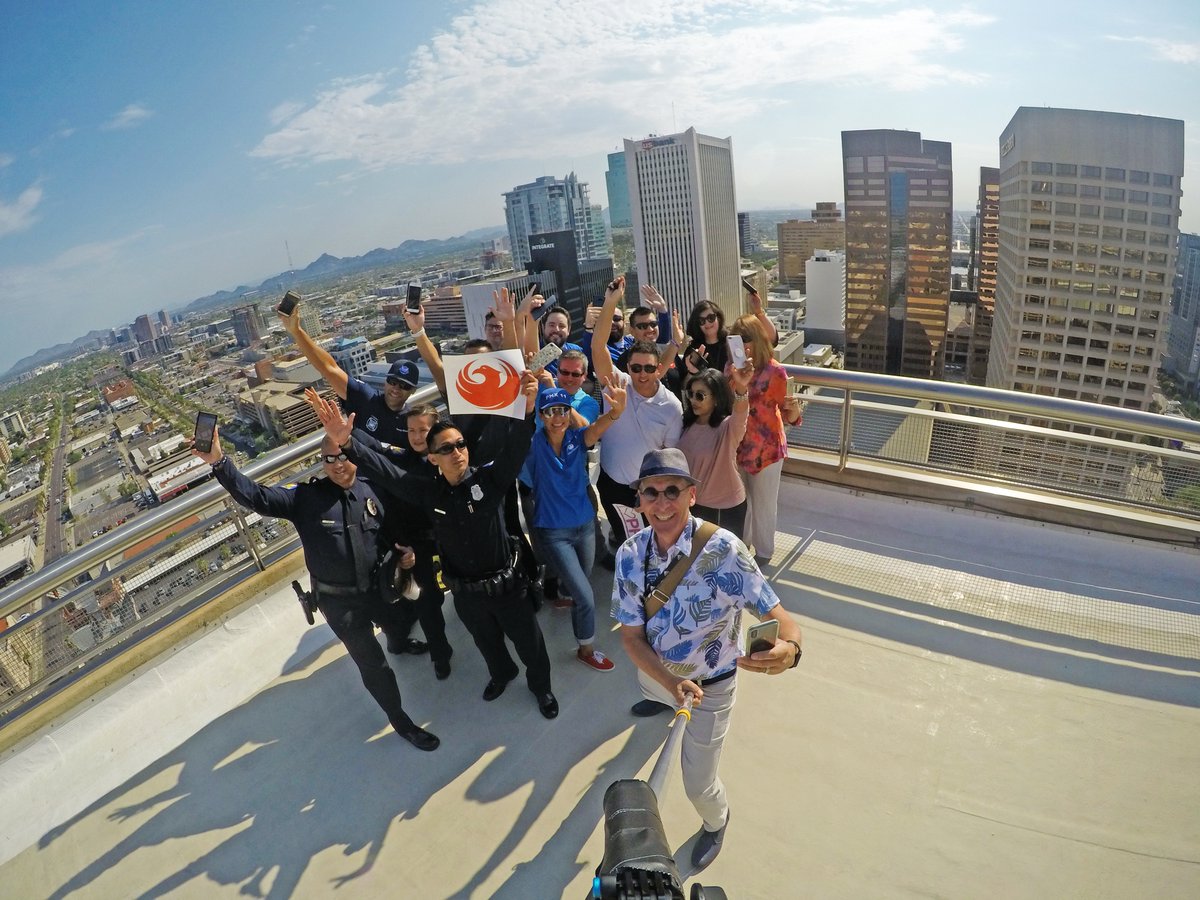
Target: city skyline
{"x": 155, "y": 155}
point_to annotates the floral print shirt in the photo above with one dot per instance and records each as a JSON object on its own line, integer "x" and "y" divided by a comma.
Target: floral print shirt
{"x": 765, "y": 442}
{"x": 698, "y": 633}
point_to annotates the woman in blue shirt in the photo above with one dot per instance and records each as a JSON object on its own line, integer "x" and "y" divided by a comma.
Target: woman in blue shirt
{"x": 562, "y": 513}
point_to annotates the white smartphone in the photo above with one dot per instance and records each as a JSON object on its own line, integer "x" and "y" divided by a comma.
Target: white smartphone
{"x": 737, "y": 350}
{"x": 762, "y": 636}
{"x": 544, "y": 357}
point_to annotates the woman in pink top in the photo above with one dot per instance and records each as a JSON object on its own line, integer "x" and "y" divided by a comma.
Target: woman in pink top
{"x": 714, "y": 421}
{"x": 764, "y": 448}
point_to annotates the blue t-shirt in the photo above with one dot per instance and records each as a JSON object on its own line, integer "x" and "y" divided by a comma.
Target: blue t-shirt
{"x": 560, "y": 481}
{"x": 583, "y": 403}
{"x": 372, "y": 414}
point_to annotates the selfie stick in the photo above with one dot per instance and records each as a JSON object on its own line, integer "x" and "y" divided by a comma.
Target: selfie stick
{"x": 662, "y": 766}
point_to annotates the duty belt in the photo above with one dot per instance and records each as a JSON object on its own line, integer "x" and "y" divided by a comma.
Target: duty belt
{"x": 334, "y": 590}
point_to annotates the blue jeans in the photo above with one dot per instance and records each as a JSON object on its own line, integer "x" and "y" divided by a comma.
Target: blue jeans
{"x": 571, "y": 552}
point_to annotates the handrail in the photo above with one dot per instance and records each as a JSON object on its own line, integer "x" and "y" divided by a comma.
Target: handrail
{"x": 120, "y": 539}
{"x": 1018, "y": 402}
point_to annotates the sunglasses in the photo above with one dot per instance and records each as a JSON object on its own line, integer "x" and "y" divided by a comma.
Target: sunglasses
{"x": 639, "y": 368}
{"x": 650, "y": 494}
{"x": 699, "y": 396}
{"x": 447, "y": 449}
{"x": 569, "y": 374}
{"x": 618, "y": 318}
{"x": 396, "y": 382}
{"x": 708, "y": 319}
{"x": 555, "y": 412}
{"x": 643, "y": 326}
{"x": 330, "y": 458}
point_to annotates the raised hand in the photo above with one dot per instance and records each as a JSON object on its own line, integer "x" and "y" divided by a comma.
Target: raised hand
{"x": 336, "y": 425}
{"x": 653, "y": 298}
{"x": 615, "y": 289}
{"x": 739, "y": 379}
{"x": 615, "y": 394}
{"x": 213, "y": 456}
{"x": 502, "y": 305}
{"x": 416, "y": 321}
{"x": 677, "y": 331}
{"x": 531, "y": 302}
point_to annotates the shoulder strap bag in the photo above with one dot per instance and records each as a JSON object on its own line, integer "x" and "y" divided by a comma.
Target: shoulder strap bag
{"x": 654, "y": 600}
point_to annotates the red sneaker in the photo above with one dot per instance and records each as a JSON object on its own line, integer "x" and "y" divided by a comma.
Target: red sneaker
{"x": 562, "y": 601}
{"x": 596, "y": 660}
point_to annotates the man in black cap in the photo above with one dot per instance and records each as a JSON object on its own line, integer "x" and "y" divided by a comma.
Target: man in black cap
{"x": 688, "y": 640}
{"x": 380, "y": 414}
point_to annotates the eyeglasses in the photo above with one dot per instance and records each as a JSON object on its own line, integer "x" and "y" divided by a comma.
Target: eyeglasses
{"x": 569, "y": 374}
{"x": 643, "y": 326}
{"x": 447, "y": 449}
{"x": 708, "y": 319}
{"x": 555, "y": 412}
{"x": 330, "y": 458}
{"x": 639, "y": 368}
{"x": 650, "y": 494}
{"x": 699, "y": 396}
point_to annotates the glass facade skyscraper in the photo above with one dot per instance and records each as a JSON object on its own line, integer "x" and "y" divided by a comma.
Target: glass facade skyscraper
{"x": 898, "y": 207}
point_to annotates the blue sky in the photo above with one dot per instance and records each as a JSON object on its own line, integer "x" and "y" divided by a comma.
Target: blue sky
{"x": 153, "y": 152}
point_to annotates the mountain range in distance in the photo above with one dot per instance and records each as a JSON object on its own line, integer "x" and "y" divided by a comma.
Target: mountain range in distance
{"x": 325, "y": 266}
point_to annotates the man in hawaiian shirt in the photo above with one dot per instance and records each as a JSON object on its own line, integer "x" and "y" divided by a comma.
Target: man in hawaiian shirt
{"x": 692, "y": 645}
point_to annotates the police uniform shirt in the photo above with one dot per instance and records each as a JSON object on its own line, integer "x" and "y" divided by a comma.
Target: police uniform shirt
{"x": 468, "y": 518}
{"x": 324, "y": 515}
{"x": 374, "y": 416}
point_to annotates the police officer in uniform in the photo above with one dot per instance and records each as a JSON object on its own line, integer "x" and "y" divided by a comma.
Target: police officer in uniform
{"x": 479, "y": 559}
{"x": 339, "y": 520}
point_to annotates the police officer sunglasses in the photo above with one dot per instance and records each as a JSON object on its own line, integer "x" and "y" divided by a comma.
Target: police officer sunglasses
{"x": 447, "y": 449}
{"x": 330, "y": 458}
{"x": 650, "y": 494}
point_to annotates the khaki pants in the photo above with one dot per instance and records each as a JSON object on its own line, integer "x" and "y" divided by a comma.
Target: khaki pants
{"x": 702, "y": 743}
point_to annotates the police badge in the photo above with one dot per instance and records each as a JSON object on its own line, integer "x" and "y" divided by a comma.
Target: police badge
{"x": 372, "y": 423}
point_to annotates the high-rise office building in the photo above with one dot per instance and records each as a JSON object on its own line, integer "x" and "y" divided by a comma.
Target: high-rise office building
{"x": 164, "y": 322}
{"x": 247, "y": 325}
{"x": 681, "y": 196}
{"x": 145, "y": 329}
{"x": 825, "y": 305}
{"x": 1089, "y": 220}
{"x": 744, "y": 234}
{"x": 1183, "y": 354}
{"x": 554, "y": 204}
{"x": 899, "y": 192}
{"x": 617, "y": 183}
{"x": 984, "y": 253}
{"x": 800, "y": 238}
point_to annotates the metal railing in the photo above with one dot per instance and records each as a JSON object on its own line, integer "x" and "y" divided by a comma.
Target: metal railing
{"x": 88, "y": 607}
{"x": 1006, "y": 439}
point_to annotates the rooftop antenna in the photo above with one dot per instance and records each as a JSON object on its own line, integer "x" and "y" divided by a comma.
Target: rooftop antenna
{"x": 291, "y": 265}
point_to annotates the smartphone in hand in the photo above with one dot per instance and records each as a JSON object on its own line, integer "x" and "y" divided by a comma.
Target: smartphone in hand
{"x": 737, "y": 350}
{"x": 413, "y": 301}
{"x": 762, "y": 636}
{"x": 206, "y": 427}
{"x": 288, "y": 303}
{"x": 748, "y": 287}
{"x": 544, "y": 357}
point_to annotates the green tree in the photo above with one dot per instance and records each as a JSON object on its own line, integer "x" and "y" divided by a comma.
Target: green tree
{"x": 128, "y": 488}
{"x": 1189, "y": 496}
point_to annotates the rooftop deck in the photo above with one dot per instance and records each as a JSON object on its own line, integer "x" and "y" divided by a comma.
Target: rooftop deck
{"x": 987, "y": 707}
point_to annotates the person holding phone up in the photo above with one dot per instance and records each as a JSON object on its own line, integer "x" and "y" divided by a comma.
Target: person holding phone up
{"x": 762, "y": 451}
{"x": 680, "y": 588}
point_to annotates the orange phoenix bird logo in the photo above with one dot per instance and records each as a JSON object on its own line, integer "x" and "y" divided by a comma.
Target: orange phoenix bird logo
{"x": 488, "y": 387}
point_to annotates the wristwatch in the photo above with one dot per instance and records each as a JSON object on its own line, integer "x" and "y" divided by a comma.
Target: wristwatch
{"x": 799, "y": 653}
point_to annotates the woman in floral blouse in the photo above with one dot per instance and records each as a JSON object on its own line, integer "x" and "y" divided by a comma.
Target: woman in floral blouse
{"x": 762, "y": 451}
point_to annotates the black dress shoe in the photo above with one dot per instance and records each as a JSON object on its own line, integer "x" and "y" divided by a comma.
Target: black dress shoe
{"x": 548, "y": 705}
{"x": 708, "y": 846}
{"x": 493, "y": 689}
{"x": 411, "y": 646}
{"x": 441, "y": 670}
{"x": 420, "y": 738}
{"x": 645, "y": 708}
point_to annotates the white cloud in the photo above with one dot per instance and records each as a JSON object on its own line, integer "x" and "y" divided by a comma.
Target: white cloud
{"x": 18, "y": 216}
{"x": 6, "y": 160}
{"x": 482, "y": 90}
{"x": 1168, "y": 51}
{"x": 131, "y": 116}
